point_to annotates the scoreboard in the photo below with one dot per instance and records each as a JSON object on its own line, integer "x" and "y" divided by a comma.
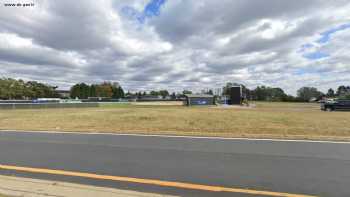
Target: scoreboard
{"x": 236, "y": 95}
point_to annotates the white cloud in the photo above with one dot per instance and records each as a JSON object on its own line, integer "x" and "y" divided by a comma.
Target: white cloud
{"x": 190, "y": 45}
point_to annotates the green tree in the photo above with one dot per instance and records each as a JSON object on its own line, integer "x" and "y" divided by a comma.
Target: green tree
{"x": 81, "y": 91}
{"x": 154, "y": 93}
{"x": 92, "y": 90}
{"x": 164, "y": 93}
{"x": 75, "y": 91}
{"x": 121, "y": 92}
{"x": 341, "y": 90}
{"x": 173, "y": 96}
{"x": 41, "y": 90}
{"x": 18, "y": 89}
{"x": 330, "y": 93}
{"x": 84, "y": 91}
{"x": 118, "y": 92}
{"x": 263, "y": 93}
{"x": 260, "y": 93}
{"x": 276, "y": 94}
{"x": 307, "y": 93}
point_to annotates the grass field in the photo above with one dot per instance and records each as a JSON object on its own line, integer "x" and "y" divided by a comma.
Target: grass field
{"x": 270, "y": 120}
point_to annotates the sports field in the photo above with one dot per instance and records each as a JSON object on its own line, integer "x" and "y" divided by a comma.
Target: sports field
{"x": 269, "y": 120}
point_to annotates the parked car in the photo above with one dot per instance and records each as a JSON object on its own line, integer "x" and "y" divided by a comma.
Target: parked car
{"x": 332, "y": 105}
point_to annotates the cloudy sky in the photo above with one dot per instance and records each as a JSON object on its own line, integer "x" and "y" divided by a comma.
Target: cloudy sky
{"x": 178, "y": 44}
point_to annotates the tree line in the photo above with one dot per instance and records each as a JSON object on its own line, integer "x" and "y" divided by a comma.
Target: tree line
{"x": 304, "y": 94}
{"x": 105, "y": 90}
{"x": 154, "y": 93}
{"x": 19, "y": 89}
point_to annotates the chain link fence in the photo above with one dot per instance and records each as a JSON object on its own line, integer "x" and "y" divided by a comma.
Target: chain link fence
{"x": 45, "y": 105}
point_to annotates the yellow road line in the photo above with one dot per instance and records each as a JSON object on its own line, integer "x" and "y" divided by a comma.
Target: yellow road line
{"x": 150, "y": 181}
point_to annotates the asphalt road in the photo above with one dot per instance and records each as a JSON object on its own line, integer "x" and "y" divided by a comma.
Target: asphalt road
{"x": 312, "y": 168}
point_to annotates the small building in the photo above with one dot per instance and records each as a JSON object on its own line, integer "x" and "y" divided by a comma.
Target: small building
{"x": 131, "y": 98}
{"x": 199, "y": 99}
{"x": 63, "y": 93}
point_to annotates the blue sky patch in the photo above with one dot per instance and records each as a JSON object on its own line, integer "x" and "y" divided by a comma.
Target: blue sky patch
{"x": 326, "y": 36}
{"x": 153, "y": 8}
{"x": 306, "y": 70}
{"x": 150, "y": 10}
{"x": 304, "y": 47}
{"x": 315, "y": 55}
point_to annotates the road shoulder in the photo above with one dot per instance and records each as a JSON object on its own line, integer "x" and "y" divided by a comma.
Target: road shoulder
{"x": 26, "y": 187}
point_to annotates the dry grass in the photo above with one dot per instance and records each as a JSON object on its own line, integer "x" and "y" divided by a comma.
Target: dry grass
{"x": 272, "y": 120}
{"x": 158, "y": 103}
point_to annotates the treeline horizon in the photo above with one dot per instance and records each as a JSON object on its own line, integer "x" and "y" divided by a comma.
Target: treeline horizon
{"x": 19, "y": 89}
{"x": 105, "y": 89}
{"x": 304, "y": 94}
